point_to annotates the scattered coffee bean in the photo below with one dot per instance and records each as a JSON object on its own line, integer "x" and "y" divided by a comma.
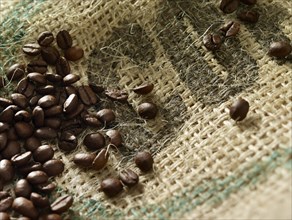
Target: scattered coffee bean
{"x": 53, "y": 167}
{"x": 5, "y": 201}
{"x": 87, "y": 96}
{"x": 111, "y": 186}
{"x": 32, "y": 143}
{"x": 67, "y": 141}
{"x": 50, "y": 55}
{"x": 106, "y": 116}
{"x": 249, "y": 16}
{"x": 12, "y": 148}
{"x": 45, "y": 133}
{"x": 71, "y": 103}
{"x": 94, "y": 141}
{"x": 62, "y": 67}
{"x": 212, "y": 41}
{"x": 129, "y": 177}
{"x": 22, "y": 188}
{"x": 280, "y": 49}
{"x": 144, "y": 161}
{"x": 37, "y": 78}
{"x": 24, "y": 207}
{"x": 3, "y": 140}
{"x": 84, "y": 159}
{"x": 64, "y": 40}
{"x": 116, "y": 95}
{"x": 249, "y": 2}
{"x": 144, "y": 88}
{"x": 50, "y": 217}
{"x": 147, "y": 110}
{"x": 54, "y": 78}
{"x": 45, "y": 38}
{"x": 32, "y": 166}
{"x": 6, "y": 170}
{"x": 70, "y": 79}
{"x": 38, "y": 66}
{"x": 229, "y": 6}
{"x": 100, "y": 160}
{"x": 91, "y": 120}
{"x": 4, "y": 216}
{"x": 37, "y": 177}
{"x": 21, "y": 159}
{"x": 115, "y": 137}
{"x": 74, "y": 53}
{"x": 39, "y": 200}
{"x": 46, "y": 187}
{"x": 31, "y": 49}
{"x": 19, "y": 100}
{"x": 239, "y": 109}
{"x": 23, "y": 129}
{"x": 47, "y": 101}
{"x": 96, "y": 88}
{"x": 43, "y": 153}
{"x": 54, "y": 123}
{"x": 15, "y": 72}
{"x": 62, "y": 204}
{"x": 230, "y": 29}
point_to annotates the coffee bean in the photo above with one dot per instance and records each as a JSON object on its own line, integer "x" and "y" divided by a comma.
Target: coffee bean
{"x": 67, "y": 141}
{"x": 43, "y": 153}
{"x": 249, "y": 16}
{"x": 4, "y": 216}
{"x": 54, "y": 123}
{"x": 15, "y": 72}
{"x": 144, "y": 88}
{"x": 11, "y": 134}
{"x": 94, "y": 141}
{"x": 50, "y": 217}
{"x": 87, "y": 96}
{"x": 38, "y": 66}
{"x": 46, "y": 90}
{"x": 38, "y": 116}
{"x": 3, "y": 127}
{"x": 249, "y": 2}
{"x": 212, "y": 41}
{"x": 62, "y": 204}
{"x": 7, "y": 115}
{"x": 115, "y": 137}
{"x": 62, "y": 67}
{"x": 23, "y": 116}
{"x": 3, "y": 140}
{"x": 100, "y": 160}
{"x": 32, "y": 143}
{"x": 31, "y": 49}
{"x": 77, "y": 111}
{"x": 116, "y": 95}
{"x": 5, "y": 201}
{"x": 37, "y": 78}
{"x": 111, "y": 186}
{"x": 74, "y": 53}
{"x": 71, "y": 90}
{"x": 70, "y": 79}
{"x": 22, "y": 188}
{"x": 21, "y": 159}
{"x": 53, "y": 111}
{"x": 25, "y": 87}
{"x": 64, "y": 39}
{"x": 45, "y": 133}
{"x": 129, "y": 177}
{"x": 19, "y": 100}
{"x": 5, "y": 102}
{"x": 147, "y": 110}
{"x": 280, "y": 49}
{"x": 46, "y": 187}
{"x": 39, "y": 200}
{"x": 84, "y": 159}
{"x": 12, "y": 148}
{"x": 24, "y": 129}
{"x": 230, "y": 29}
{"x": 37, "y": 177}
{"x": 70, "y": 104}
{"x": 53, "y": 167}
{"x": 96, "y": 88}
{"x": 50, "y": 55}
{"x": 24, "y": 207}
{"x": 47, "y": 101}
{"x": 45, "y": 38}
{"x": 229, "y": 6}
{"x": 239, "y": 109}
{"x": 91, "y": 120}
{"x": 54, "y": 78}
{"x": 106, "y": 116}
{"x": 144, "y": 161}
{"x": 6, "y": 170}
{"x": 32, "y": 166}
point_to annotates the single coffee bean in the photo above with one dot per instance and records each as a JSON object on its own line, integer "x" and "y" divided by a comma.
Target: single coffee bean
{"x": 47, "y": 101}
{"x": 37, "y": 177}
{"x": 64, "y": 39}
{"x": 62, "y": 204}
{"x": 24, "y": 129}
{"x": 31, "y": 49}
{"x": 74, "y": 53}
{"x": 106, "y": 116}
{"x": 129, "y": 177}
{"x": 230, "y": 29}
{"x": 62, "y": 67}
{"x": 67, "y": 141}
{"x": 32, "y": 143}
{"x": 37, "y": 78}
{"x": 147, "y": 110}
{"x": 5, "y": 201}
{"x": 6, "y": 170}
{"x": 11, "y": 134}
{"x": 43, "y": 153}
{"x": 116, "y": 95}
{"x": 144, "y": 88}
{"x": 23, "y": 116}
{"x": 70, "y": 79}
{"x": 54, "y": 78}
{"x": 92, "y": 120}
{"x": 239, "y": 109}
{"x": 250, "y": 16}
{"x": 53, "y": 167}
{"x": 249, "y": 2}
{"x": 115, "y": 137}
{"x": 50, "y": 55}
{"x": 280, "y": 49}
{"x": 87, "y": 96}
{"x": 54, "y": 123}
{"x": 71, "y": 103}
{"x": 77, "y": 112}
{"x": 46, "y": 90}
{"x": 45, "y": 133}
{"x": 53, "y": 111}
{"x": 24, "y": 207}
{"x": 212, "y": 41}
{"x": 5, "y": 102}
{"x": 46, "y": 187}
{"x": 4, "y": 127}
{"x": 94, "y": 141}
{"x": 15, "y": 72}
{"x": 22, "y": 188}
{"x": 38, "y": 66}
{"x": 4, "y": 216}
{"x": 111, "y": 186}
{"x": 7, "y": 115}
{"x": 229, "y": 6}
{"x": 32, "y": 166}
{"x": 71, "y": 90}
{"x": 3, "y": 140}
{"x": 38, "y": 116}
{"x": 39, "y": 200}
{"x": 100, "y": 160}
{"x": 21, "y": 159}
{"x": 12, "y": 148}
{"x": 19, "y": 100}
{"x": 45, "y": 38}
{"x": 84, "y": 159}
{"x": 144, "y": 161}
{"x": 50, "y": 217}
{"x": 96, "y": 88}
{"x": 25, "y": 87}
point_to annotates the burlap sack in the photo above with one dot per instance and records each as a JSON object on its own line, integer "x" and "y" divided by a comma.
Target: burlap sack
{"x": 206, "y": 165}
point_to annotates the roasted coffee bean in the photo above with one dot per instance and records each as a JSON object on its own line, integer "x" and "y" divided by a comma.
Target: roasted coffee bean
{"x": 15, "y": 72}
{"x": 74, "y": 53}
{"x": 249, "y": 2}
{"x": 147, "y": 110}
{"x": 54, "y": 78}
{"x": 21, "y": 159}
{"x": 38, "y": 66}
{"x": 84, "y": 159}
{"x": 5, "y": 102}
{"x": 62, "y": 204}
{"x": 46, "y": 133}
{"x": 43, "y": 153}
{"x": 37, "y": 78}
{"x": 4, "y": 216}
{"x": 67, "y": 141}
{"x": 100, "y": 160}
{"x": 62, "y": 67}
{"x": 11, "y": 134}
{"x": 22, "y": 188}
{"x": 38, "y": 116}
{"x": 229, "y": 6}
{"x": 39, "y": 200}
{"x": 45, "y": 38}
{"x": 53, "y": 111}
{"x": 96, "y": 88}
{"x": 106, "y": 116}
{"x": 32, "y": 143}
{"x": 7, "y": 115}
{"x": 5, "y": 201}
{"x": 50, "y": 55}
{"x": 230, "y": 29}
{"x": 70, "y": 79}
{"x": 91, "y": 120}
{"x": 32, "y": 166}
{"x": 53, "y": 167}
{"x": 116, "y": 95}
{"x": 12, "y": 148}
{"x": 3, "y": 127}
{"x": 239, "y": 109}
{"x": 50, "y": 217}
{"x": 71, "y": 103}
{"x": 3, "y": 140}
{"x": 94, "y": 141}
{"x": 37, "y": 177}
{"x": 24, "y": 207}
{"x": 87, "y": 96}
{"x": 25, "y": 87}
{"x": 34, "y": 100}
{"x": 212, "y": 41}
{"x": 64, "y": 39}
{"x": 54, "y": 123}
{"x": 144, "y": 88}
{"x": 144, "y": 161}
{"x": 19, "y": 100}
{"x": 129, "y": 177}
{"x": 22, "y": 115}
{"x": 24, "y": 129}
{"x": 6, "y": 170}
{"x": 77, "y": 112}
{"x": 31, "y": 49}
{"x": 280, "y": 49}
{"x": 47, "y": 101}
{"x": 111, "y": 186}
{"x": 115, "y": 137}
{"x": 250, "y": 16}
{"x": 46, "y": 187}
{"x": 46, "y": 90}
{"x": 71, "y": 90}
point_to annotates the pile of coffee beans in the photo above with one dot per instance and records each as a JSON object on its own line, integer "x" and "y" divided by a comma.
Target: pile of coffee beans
{"x": 47, "y": 112}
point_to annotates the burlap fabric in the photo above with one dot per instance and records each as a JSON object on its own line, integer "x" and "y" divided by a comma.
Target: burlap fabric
{"x": 206, "y": 165}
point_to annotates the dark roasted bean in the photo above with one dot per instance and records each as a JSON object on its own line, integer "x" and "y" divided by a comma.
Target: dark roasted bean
{"x": 24, "y": 129}
{"x": 71, "y": 90}
{"x": 54, "y": 78}
{"x": 37, "y": 78}
{"x": 53, "y": 167}
{"x": 38, "y": 66}
{"x": 250, "y": 16}
{"x": 92, "y": 120}
{"x": 19, "y": 100}
{"x": 46, "y": 187}
{"x": 6, "y": 170}
{"x": 53, "y": 111}
{"x": 22, "y": 188}
{"x": 39, "y": 200}
{"x": 129, "y": 177}
{"x": 37, "y": 177}
{"x": 74, "y": 53}
{"x": 47, "y": 101}
{"x": 100, "y": 160}
{"x": 84, "y": 159}
{"x": 24, "y": 207}
{"x": 106, "y": 116}
{"x": 32, "y": 166}
{"x": 70, "y": 79}
{"x": 31, "y": 49}
{"x": 15, "y": 72}
{"x": 230, "y": 29}
{"x": 50, "y": 55}
{"x": 22, "y": 115}
{"x": 67, "y": 141}
{"x": 38, "y": 116}
{"x": 5, "y": 201}
{"x": 96, "y": 88}
{"x": 77, "y": 112}
{"x": 212, "y": 41}
{"x": 280, "y": 49}
{"x": 46, "y": 133}
{"x": 11, "y": 134}
{"x": 87, "y": 96}
{"x": 32, "y": 143}
{"x": 147, "y": 110}
{"x": 62, "y": 67}
{"x": 5, "y": 102}
{"x": 239, "y": 109}
{"x": 229, "y": 6}
{"x": 62, "y": 204}
{"x": 64, "y": 39}
{"x": 111, "y": 186}
{"x": 70, "y": 104}
{"x": 46, "y": 90}
{"x": 12, "y": 148}
{"x": 7, "y": 115}
{"x": 43, "y": 153}
{"x": 144, "y": 161}
{"x": 45, "y": 38}
{"x": 116, "y": 95}
{"x": 115, "y": 137}
{"x": 54, "y": 123}
{"x": 94, "y": 141}
{"x": 144, "y": 88}
{"x": 21, "y": 159}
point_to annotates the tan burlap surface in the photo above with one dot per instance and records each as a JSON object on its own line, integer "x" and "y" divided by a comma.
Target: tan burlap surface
{"x": 206, "y": 165}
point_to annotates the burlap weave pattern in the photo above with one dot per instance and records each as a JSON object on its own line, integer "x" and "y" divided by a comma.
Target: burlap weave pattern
{"x": 206, "y": 165}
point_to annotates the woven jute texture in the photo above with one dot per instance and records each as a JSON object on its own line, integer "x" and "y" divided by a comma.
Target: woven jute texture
{"x": 206, "y": 165}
